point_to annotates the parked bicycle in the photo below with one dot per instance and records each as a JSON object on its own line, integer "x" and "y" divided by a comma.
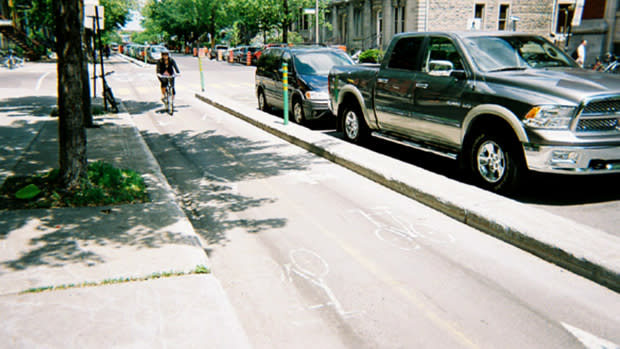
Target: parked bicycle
{"x": 108, "y": 96}
{"x": 11, "y": 61}
{"x": 169, "y": 92}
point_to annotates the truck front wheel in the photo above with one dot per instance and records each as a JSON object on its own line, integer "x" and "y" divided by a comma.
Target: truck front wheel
{"x": 353, "y": 125}
{"x": 496, "y": 162}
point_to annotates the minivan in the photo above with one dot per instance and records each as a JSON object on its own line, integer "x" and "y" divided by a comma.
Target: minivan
{"x": 308, "y": 67}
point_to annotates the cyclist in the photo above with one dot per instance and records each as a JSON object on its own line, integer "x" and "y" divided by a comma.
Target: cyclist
{"x": 166, "y": 66}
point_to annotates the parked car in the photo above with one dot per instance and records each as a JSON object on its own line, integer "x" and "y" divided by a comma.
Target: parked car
{"x": 259, "y": 52}
{"x": 154, "y": 53}
{"x": 223, "y": 49}
{"x": 307, "y": 79}
{"x": 501, "y": 103}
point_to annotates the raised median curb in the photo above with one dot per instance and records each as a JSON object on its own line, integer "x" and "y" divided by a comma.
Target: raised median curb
{"x": 586, "y": 251}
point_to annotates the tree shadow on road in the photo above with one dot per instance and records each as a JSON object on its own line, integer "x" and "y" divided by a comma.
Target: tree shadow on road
{"x": 28, "y": 106}
{"x": 206, "y": 169}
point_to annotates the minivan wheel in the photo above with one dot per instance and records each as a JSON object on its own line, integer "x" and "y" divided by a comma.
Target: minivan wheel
{"x": 262, "y": 101}
{"x": 298, "y": 112}
{"x": 353, "y": 124}
{"x": 496, "y": 162}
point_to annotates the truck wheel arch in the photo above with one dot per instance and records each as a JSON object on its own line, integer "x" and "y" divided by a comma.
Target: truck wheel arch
{"x": 492, "y": 111}
{"x": 347, "y": 96}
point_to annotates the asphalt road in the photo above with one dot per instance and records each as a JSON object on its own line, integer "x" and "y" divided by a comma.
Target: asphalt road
{"x": 311, "y": 254}
{"x": 590, "y": 200}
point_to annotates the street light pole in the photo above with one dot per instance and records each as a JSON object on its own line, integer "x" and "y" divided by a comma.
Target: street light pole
{"x": 316, "y": 16}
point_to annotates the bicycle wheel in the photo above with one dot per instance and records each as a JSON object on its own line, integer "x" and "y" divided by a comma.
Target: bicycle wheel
{"x": 170, "y": 102}
{"x": 109, "y": 97}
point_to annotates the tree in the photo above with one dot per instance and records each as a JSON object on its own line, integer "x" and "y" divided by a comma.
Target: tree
{"x": 71, "y": 131}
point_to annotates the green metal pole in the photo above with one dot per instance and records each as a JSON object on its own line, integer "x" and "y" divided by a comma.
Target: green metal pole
{"x": 285, "y": 88}
{"x": 202, "y": 79}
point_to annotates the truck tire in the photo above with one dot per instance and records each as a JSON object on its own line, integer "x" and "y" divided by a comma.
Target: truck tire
{"x": 496, "y": 162}
{"x": 353, "y": 124}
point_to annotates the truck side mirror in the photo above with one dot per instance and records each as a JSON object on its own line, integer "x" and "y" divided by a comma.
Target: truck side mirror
{"x": 458, "y": 74}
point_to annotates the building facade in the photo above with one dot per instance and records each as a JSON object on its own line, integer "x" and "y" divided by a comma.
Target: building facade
{"x": 364, "y": 24}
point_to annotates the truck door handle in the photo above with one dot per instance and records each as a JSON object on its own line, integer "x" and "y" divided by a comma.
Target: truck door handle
{"x": 422, "y": 85}
{"x": 382, "y": 80}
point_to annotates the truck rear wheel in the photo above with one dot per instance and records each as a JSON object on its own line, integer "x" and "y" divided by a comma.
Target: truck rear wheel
{"x": 353, "y": 124}
{"x": 496, "y": 162}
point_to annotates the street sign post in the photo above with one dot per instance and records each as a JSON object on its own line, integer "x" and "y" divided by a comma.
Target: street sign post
{"x": 285, "y": 88}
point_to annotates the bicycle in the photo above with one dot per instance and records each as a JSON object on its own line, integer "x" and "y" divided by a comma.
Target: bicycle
{"x": 108, "y": 96}
{"x": 169, "y": 95}
{"x": 11, "y": 61}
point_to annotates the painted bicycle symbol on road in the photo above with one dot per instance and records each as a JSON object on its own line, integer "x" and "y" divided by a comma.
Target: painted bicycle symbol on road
{"x": 402, "y": 233}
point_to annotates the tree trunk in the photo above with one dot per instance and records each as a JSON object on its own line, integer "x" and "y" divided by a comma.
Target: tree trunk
{"x": 285, "y": 23}
{"x": 71, "y": 131}
{"x": 88, "y": 115}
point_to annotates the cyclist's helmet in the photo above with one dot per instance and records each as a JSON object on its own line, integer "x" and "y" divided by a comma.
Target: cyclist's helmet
{"x": 164, "y": 51}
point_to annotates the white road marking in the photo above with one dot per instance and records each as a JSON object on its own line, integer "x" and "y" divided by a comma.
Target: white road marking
{"x": 313, "y": 268}
{"x": 589, "y": 340}
{"x": 399, "y": 232}
{"x": 40, "y": 81}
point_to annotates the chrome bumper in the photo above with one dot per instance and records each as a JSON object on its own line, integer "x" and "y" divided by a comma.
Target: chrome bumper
{"x": 573, "y": 160}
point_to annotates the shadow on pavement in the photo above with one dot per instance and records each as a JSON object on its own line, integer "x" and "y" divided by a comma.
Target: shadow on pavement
{"x": 206, "y": 169}
{"x": 28, "y": 106}
{"x": 80, "y": 236}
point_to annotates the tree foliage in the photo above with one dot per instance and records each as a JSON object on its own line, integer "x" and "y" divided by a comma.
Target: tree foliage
{"x": 41, "y": 19}
{"x": 237, "y": 21}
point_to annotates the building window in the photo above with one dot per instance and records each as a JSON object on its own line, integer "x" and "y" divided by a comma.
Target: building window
{"x": 357, "y": 21}
{"x": 380, "y": 28}
{"x": 342, "y": 25}
{"x": 503, "y": 17}
{"x": 479, "y": 14}
{"x": 304, "y": 20}
{"x": 564, "y": 18}
{"x": 399, "y": 19}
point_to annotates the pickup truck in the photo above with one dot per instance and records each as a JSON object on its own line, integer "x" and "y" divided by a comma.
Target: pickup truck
{"x": 500, "y": 103}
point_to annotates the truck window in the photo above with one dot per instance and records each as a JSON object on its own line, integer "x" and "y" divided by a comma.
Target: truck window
{"x": 442, "y": 57}
{"x": 405, "y": 54}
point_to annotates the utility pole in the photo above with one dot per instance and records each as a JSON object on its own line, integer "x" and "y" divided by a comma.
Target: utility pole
{"x": 316, "y": 17}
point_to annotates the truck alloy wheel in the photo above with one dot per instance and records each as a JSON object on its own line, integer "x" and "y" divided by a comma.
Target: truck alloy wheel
{"x": 496, "y": 162}
{"x": 351, "y": 125}
{"x": 491, "y": 161}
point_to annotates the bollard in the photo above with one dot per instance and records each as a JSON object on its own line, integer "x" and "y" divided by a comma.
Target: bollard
{"x": 230, "y": 56}
{"x": 249, "y": 58}
{"x": 285, "y": 88}
{"x": 202, "y": 79}
{"x": 219, "y": 55}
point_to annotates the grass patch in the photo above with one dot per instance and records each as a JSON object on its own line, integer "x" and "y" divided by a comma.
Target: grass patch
{"x": 199, "y": 269}
{"x": 106, "y": 185}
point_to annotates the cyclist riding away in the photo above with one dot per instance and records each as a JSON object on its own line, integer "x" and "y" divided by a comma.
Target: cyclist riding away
{"x": 166, "y": 66}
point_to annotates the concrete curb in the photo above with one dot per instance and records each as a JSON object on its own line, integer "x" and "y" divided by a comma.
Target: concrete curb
{"x": 583, "y": 250}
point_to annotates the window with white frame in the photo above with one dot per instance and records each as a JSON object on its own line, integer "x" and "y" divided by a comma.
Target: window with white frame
{"x": 504, "y": 13}
{"x": 479, "y": 14}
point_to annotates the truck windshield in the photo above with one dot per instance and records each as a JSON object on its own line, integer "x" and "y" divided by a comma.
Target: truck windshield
{"x": 319, "y": 62}
{"x": 491, "y": 53}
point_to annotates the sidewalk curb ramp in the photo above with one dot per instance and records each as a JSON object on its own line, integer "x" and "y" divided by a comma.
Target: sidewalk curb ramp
{"x": 586, "y": 251}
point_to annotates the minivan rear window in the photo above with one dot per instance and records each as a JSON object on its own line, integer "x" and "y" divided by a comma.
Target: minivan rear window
{"x": 319, "y": 62}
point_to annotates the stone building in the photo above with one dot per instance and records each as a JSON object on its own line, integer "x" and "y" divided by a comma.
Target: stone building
{"x": 363, "y": 24}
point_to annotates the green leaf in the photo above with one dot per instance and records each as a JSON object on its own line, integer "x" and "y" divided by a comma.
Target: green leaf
{"x": 28, "y": 192}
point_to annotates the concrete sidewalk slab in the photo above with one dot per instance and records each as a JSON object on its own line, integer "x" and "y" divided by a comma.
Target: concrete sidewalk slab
{"x": 175, "y": 312}
{"x": 68, "y": 248}
{"x": 591, "y": 253}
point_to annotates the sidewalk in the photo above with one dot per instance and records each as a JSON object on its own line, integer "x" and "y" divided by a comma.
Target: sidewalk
{"x": 100, "y": 248}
